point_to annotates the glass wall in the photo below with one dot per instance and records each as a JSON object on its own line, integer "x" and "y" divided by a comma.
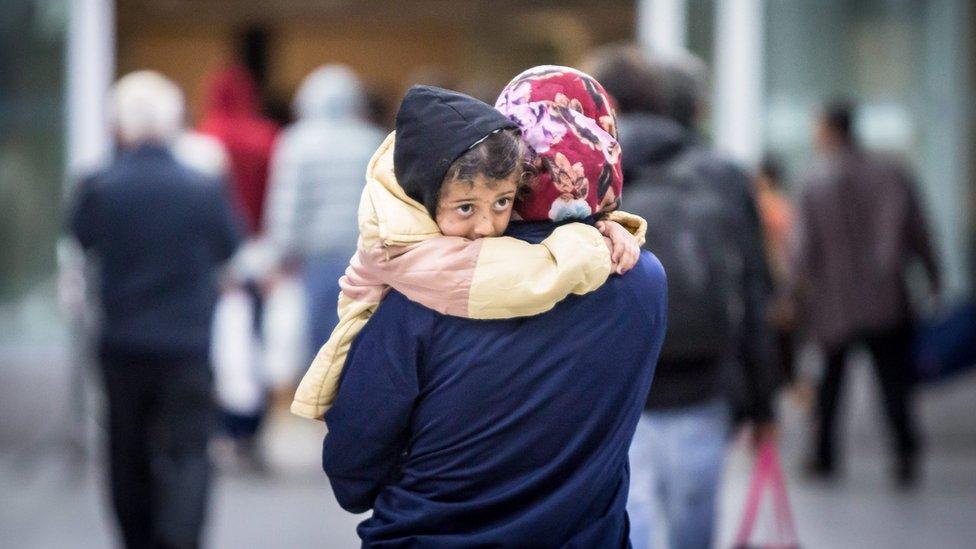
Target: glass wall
{"x": 900, "y": 61}
{"x": 871, "y": 52}
{"x": 908, "y": 66}
{"x": 32, "y": 38}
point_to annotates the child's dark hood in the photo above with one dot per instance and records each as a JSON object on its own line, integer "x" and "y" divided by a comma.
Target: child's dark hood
{"x": 433, "y": 128}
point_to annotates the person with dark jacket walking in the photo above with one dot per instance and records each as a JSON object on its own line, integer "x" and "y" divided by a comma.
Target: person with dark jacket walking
{"x": 860, "y": 224}
{"x": 507, "y": 433}
{"x": 159, "y": 233}
{"x": 704, "y": 227}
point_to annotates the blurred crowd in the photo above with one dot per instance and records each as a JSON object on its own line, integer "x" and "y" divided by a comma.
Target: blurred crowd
{"x": 219, "y": 246}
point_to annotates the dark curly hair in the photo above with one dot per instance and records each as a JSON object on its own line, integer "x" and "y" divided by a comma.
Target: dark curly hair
{"x": 497, "y": 156}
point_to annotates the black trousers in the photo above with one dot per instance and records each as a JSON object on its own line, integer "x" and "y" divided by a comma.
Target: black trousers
{"x": 160, "y": 417}
{"x": 891, "y": 355}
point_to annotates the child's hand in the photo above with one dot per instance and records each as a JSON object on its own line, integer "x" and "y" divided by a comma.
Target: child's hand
{"x": 624, "y": 251}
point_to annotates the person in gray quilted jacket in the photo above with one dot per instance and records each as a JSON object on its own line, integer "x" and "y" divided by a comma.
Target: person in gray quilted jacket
{"x": 317, "y": 174}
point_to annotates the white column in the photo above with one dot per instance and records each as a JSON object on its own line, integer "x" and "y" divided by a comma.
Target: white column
{"x": 738, "y": 89}
{"x": 948, "y": 115}
{"x": 662, "y": 26}
{"x": 90, "y": 71}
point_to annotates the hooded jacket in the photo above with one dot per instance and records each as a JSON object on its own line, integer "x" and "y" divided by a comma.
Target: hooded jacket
{"x": 653, "y": 142}
{"x": 434, "y": 127}
{"x": 319, "y": 166}
{"x": 233, "y": 115}
{"x": 400, "y": 245}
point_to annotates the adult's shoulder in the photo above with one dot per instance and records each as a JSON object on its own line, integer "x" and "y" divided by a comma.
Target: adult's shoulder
{"x": 106, "y": 183}
{"x": 714, "y": 158}
{"x": 819, "y": 178}
{"x": 90, "y": 181}
{"x": 722, "y": 169}
{"x": 397, "y": 311}
{"x": 196, "y": 182}
{"x": 647, "y": 279}
{"x": 297, "y": 135}
{"x": 648, "y": 272}
{"x": 105, "y": 175}
{"x": 646, "y": 288}
{"x": 196, "y": 190}
{"x": 890, "y": 166}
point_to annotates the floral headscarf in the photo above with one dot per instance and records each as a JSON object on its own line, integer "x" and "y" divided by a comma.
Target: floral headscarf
{"x": 570, "y": 128}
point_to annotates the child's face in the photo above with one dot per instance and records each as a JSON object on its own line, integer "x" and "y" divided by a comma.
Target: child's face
{"x": 476, "y": 209}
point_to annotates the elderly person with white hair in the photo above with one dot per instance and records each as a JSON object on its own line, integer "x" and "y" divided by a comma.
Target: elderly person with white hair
{"x": 160, "y": 232}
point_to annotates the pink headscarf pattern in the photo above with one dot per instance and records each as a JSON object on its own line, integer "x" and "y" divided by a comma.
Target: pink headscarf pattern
{"x": 570, "y": 128}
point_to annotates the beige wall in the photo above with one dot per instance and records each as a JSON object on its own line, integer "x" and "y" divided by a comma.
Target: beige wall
{"x": 185, "y": 53}
{"x": 479, "y": 44}
{"x": 384, "y": 54}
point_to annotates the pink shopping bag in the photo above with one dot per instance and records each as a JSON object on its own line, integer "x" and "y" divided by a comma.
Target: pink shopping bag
{"x": 767, "y": 472}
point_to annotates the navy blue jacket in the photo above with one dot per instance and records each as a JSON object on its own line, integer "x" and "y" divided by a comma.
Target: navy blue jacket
{"x": 160, "y": 232}
{"x": 502, "y": 433}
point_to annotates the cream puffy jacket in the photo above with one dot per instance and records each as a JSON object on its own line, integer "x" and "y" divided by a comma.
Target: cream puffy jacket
{"x": 400, "y": 246}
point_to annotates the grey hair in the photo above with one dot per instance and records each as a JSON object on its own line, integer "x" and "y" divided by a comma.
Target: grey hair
{"x": 146, "y": 106}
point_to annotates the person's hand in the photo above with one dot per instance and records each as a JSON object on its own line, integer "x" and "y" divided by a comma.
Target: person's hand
{"x": 624, "y": 250}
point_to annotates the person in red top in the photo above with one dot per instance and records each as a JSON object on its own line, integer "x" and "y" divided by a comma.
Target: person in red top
{"x": 233, "y": 115}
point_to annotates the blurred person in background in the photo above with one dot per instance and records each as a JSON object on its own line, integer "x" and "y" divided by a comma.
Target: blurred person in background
{"x": 159, "y": 233}
{"x": 233, "y": 116}
{"x": 860, "y": 223}
{"x": 318, "y": 172}
{"x": 704, "y": 226}
{"x": 776, "y": 213}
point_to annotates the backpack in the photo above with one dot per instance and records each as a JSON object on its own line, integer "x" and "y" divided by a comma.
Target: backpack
{"x": 695, "y": 237}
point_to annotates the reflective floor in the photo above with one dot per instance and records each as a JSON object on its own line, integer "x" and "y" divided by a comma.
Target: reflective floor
{"x": 52, "y": 496}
